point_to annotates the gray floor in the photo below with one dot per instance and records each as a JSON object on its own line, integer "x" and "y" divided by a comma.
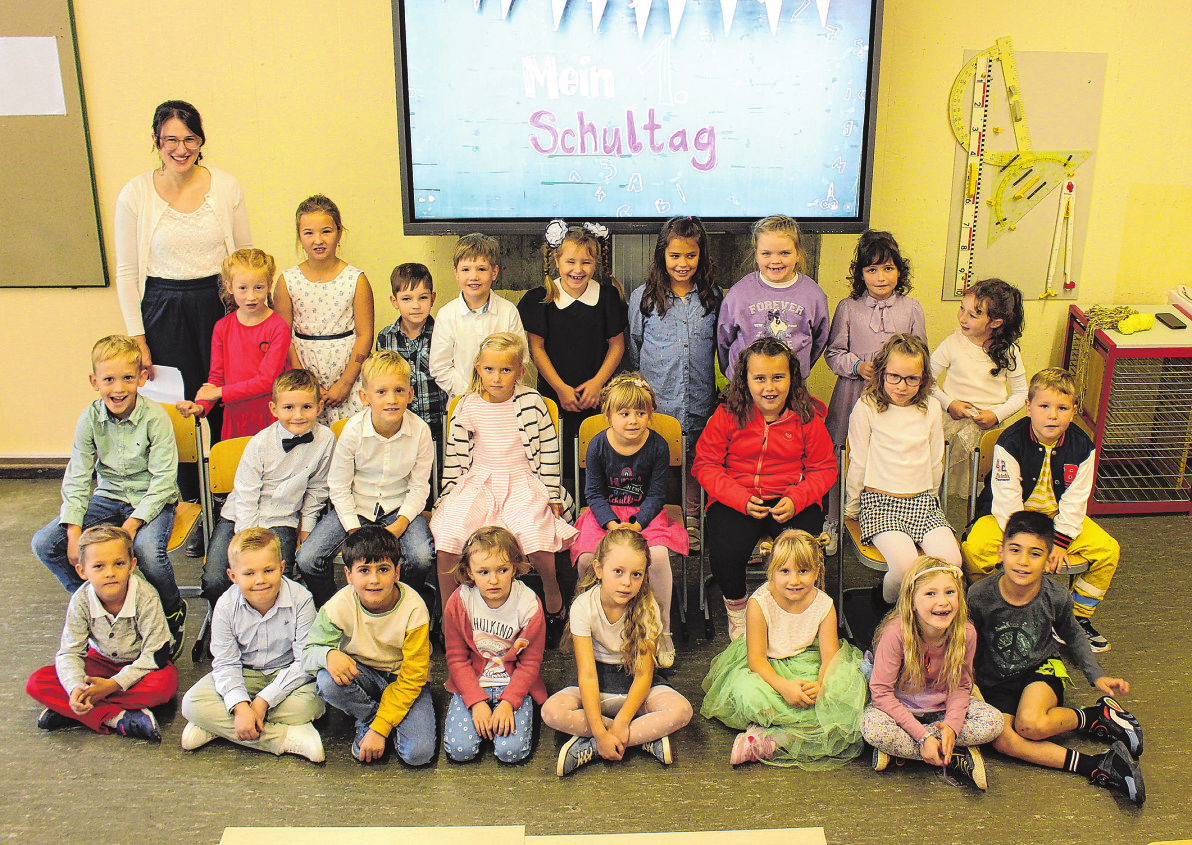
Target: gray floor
{"x": 78, "y": 785}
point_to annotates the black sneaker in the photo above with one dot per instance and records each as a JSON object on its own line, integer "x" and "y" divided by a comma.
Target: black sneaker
{"x": 556, "y": 623}
{"x": 1097, "y": 642}
{"x": 968, "y": 764}
{"x": 1116, "y": 724}
{"x": 177, "y": 623}
{"x": 139, "y": 724}
{"x": 52, "y": 720}
{"x": 1118, "y": 770}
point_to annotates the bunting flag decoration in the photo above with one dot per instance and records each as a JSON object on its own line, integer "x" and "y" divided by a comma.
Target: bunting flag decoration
{"x": 641, "y": 8}
{"x": 597, "y": 13}
{"x": 676, "y": 8}
{"x": 773, "y": 9}
{"x": 506, "y": 5}
{"x": 823, "y": 5}
{"x": 727, "y": 9}
{"x": 557, "y": 7}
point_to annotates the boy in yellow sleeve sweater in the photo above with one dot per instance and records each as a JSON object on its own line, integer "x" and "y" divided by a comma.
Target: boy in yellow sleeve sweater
{"x": 370, "y": 648}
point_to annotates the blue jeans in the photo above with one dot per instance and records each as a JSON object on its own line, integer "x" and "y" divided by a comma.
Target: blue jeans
{"x": 215, "y": 569}
{"x": 413, "y": 738}
{"x": 150, "y": 547}
{"x": 315, "y": 558}
{"x": 461, "y": 742}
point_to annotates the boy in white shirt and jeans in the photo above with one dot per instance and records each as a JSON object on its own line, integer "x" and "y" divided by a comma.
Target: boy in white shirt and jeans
{"x": 380, "y": 475}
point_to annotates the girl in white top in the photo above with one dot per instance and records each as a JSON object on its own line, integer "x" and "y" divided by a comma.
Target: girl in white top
{"x": 978, "y": 372}
{"x": 790, "y": 684}
{"x": 896, "y": 450}
{"x": 502, "y": 468}
{"x": 618, "y": 699}
{"x": 329, "y": 305}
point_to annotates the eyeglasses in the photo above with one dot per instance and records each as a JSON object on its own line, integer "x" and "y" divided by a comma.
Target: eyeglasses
{"x": 912, "y": 381}
{"x": 190, "y": 142}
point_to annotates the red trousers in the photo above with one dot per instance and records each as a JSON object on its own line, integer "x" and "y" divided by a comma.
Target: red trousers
{"x": 157, "y": 687}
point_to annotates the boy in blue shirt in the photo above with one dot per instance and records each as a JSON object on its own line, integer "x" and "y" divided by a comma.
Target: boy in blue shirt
{"x": 129, "y": 444}
{"x": 257, "y": 694}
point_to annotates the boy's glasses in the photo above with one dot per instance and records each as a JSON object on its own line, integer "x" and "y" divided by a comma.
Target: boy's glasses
{"x": 912, "y": 381}
{"x": 190, "y": 142}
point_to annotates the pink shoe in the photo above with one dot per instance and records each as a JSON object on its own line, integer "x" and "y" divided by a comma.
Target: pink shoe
{"x": 753, "y": 745}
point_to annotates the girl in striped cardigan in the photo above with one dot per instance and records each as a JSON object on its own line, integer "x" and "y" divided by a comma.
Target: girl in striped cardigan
{"x": 489, "y": 480}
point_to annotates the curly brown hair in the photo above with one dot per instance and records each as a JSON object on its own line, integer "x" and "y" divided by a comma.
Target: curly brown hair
{"x": 902, "y": 344}
{"x": 875, "y": 247}
{"x": 739, "y": 402}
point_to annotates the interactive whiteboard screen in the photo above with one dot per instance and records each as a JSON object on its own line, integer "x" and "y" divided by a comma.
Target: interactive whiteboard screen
{"x": 517, "y": 111}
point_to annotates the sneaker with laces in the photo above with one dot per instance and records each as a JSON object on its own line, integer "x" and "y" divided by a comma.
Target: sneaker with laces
{"x": 304, "y": 741}
{"x": 970, "y": 765}
{"x": 1118, "y": 770}
{"x": 577, "y": 751}
{"x": 177, "y": 624}
{"x": 661, "y": 750}
{"x": 880, "y": 760}
{"x": 139, "y": 724}
{"x": 52, "y": 720}
{"x": 693, "y": 535}
{"x": 1116, "y": 724}
{"x": 195, "y": 737}
{"x": 665, "y": 656}
{"x": 753, "y": 745}
{"x": 832, "y": 530}
{"x": 1097, "y": 642}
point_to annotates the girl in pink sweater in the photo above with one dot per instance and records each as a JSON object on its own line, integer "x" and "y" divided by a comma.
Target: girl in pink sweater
{"x": 922, "y": 706}
{"x": 495, "y": 634}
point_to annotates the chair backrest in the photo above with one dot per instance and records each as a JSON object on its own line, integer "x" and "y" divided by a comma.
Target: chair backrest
{"x": 985, "y": 461}
{"x": 337, "y": 427}
{"x": 223, "y": 460}
{"x": 185, "y": 435}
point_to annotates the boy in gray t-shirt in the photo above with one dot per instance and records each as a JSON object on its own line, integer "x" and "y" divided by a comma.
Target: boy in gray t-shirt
{"x": 1018, "y": 670}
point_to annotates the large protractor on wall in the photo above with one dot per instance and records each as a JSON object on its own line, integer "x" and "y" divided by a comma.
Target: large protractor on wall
{"x": 958, "y": 98}
{"x": 1023, "y": 180}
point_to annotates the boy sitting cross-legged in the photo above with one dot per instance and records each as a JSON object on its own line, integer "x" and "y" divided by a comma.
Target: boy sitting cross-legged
{"x": 281, "y": 480}
{"x": 113, "y": 662}
{"x": 370, "y": 645}
{"x": 1019, "y": 672}
{"x": 129, "y": 444}
{"x": 257, "y": 694}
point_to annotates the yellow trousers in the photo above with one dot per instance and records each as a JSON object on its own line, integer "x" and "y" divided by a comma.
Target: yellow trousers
{"x": 1092, "y": 546}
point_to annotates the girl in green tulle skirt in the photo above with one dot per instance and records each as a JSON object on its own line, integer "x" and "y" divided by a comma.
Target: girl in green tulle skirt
{"x": 790, "y": 685}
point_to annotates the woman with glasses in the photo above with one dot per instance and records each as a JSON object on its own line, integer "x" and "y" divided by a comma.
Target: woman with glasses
{"x": 175, "y": 224}
{"x": 896, "y": 462}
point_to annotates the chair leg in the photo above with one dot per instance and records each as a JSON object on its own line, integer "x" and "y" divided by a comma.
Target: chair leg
{"x": 202, "y": 647}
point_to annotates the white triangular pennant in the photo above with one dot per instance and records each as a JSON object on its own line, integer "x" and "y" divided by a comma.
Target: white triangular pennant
{"x": 676, "y": 14}
{"x": 597, "y": 13}
{"x": 476, "y": 5}
{"x": 557, "y": 7}
{"x": 727, "y": 9}
{"x": 505, "y": 6}
{"x": 773, "y": 8}
{"x": 641, "y": 8}
{"x": 823, "y": 10}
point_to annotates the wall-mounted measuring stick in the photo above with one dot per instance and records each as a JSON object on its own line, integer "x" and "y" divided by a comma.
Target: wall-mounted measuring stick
{"x": 1061, "y": 238}
{"x": 978, "y": 124}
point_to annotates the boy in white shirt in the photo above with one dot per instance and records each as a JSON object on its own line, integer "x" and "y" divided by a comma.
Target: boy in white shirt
{"x": 380, "y": 475}
{"x": 463, "y": 323}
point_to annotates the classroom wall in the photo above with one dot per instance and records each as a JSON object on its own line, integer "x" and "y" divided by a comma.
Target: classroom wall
{"x": 298, "y": 97}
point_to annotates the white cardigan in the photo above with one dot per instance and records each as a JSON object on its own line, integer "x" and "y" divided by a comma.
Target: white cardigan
{"x": 139, "y": 207}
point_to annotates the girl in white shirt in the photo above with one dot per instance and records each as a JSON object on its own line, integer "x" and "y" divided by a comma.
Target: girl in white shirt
{"x": 618, "y": 699}
{"x": 896, "y": 448}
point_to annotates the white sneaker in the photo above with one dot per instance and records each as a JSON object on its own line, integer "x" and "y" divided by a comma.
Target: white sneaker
{"x": 832, "y": 529}
{"x": 693, "y": 535}
{"x": 195, "y": 737}
{"x": 666, "y": 652}
{"x": 304, "y": 741}
{"x": 736, "y": 623}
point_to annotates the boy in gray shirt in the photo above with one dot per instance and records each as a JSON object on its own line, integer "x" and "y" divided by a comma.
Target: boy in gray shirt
{"x": 1018, "y": 669}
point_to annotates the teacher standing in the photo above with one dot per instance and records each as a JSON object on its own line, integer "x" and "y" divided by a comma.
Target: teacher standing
{"x": 175, "y": 224}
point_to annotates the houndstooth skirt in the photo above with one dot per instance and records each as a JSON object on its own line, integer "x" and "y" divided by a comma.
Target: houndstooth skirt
{"x": 916, "y": 516}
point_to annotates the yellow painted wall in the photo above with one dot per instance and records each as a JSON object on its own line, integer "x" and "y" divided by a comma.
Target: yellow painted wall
{"x": 298, "y": 97}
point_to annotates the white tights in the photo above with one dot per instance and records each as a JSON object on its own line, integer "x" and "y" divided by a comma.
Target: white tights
{"x": 662, "y": 713}
{"x": 900, "y": 553}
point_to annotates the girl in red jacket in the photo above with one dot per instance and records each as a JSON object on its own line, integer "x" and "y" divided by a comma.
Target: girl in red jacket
{"x": 765, "y": 461}
{"x": 495, "y": 633}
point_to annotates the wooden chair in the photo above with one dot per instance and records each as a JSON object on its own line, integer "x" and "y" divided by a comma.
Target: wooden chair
{"x": 337, "y": 427}
{"x": 188, "y": 436}
{"x": 671, "y": 431}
